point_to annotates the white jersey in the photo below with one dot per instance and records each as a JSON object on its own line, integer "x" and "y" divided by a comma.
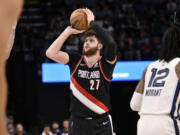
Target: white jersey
{"x": 162, "y": 89}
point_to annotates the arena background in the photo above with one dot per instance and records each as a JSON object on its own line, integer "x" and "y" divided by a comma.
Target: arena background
{"x": 136, "y": 25}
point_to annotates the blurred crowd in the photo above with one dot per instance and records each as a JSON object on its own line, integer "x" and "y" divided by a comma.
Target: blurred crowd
{"x": 53, "y": 129}
{"x": 136, "y": 25}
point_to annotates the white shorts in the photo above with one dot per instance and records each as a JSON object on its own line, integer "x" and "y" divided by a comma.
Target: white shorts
{"x": 157, "y": 125}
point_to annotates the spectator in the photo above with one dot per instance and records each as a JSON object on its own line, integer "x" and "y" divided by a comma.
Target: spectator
{"x": 156, "y": 47}
{"x": 171, "y": 6}
{"x": 10, "y": 125}
{"x": 72, "y": 44}
{"x": 11, "y": 129}
{"x": 139, "y": 19}
{"x": 20, "y": 130}
{"x": 132, "y": 53}
{"x": 55, "y": 128}
{"x": 46, "y": 130}
{"x": 65, "y": 129}
{"x": 147, "y": 50}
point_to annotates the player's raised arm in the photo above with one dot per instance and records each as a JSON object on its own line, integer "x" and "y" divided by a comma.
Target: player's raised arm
{"x": 54, "y": 51}
{"x": 136, "y": 99}
{"x": 110, "y": 47}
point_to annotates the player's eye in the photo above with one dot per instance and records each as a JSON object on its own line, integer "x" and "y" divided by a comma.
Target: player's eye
{"x": 91, "y": 40}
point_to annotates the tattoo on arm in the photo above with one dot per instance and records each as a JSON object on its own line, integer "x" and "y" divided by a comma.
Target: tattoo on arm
{"x": 10, "y": 42}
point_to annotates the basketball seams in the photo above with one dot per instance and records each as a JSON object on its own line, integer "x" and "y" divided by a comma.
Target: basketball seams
{"x": 78, "y": 20}
{"x": 82, "y": 25}
{"x": 75, "y": 22}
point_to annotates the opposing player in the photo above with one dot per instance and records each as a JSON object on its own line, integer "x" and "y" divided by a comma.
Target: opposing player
{"x": 9, "y": 12}
{"x": 157, "y": 95}
{"x": 91, "y": 75}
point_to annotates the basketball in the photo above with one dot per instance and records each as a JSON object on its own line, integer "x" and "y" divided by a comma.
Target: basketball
{"x": 78, "y": 20}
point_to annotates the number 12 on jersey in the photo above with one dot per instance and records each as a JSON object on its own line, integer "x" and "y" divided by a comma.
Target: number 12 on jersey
{"x": 94, "y": 84}
{"x": 157, "y": 81}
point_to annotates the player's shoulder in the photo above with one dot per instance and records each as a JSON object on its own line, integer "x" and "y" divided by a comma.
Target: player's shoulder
{"x": 174, "y": 62}
{"x": 177, "y": 63}
{"x": 153, "y": 64}
{"x": 103, "y": 60}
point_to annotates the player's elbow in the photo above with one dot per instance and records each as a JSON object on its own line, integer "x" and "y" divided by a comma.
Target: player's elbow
{"x": 49, "y": 54}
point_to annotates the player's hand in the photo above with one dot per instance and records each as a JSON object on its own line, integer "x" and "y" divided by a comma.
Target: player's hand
{"x": 90, "y": 15}
{"x": 74, "y": 31}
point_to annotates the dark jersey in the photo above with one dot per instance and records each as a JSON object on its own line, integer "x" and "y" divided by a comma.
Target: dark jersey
{"x": 89, "y": 86}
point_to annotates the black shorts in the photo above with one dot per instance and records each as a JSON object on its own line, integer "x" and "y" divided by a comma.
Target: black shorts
{"x": 91, "y": 126}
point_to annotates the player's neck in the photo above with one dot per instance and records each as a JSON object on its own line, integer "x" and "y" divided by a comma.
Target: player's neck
{"x": 91, "y": 60}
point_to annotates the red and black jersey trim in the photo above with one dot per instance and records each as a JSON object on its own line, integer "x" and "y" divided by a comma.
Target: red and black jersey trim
{"x": 89, "y": 98}
{"x": 109, "y": 80}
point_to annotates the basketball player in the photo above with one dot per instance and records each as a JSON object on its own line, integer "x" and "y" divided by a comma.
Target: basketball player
{"x": 9, "y": 12}
{"x": 91, "y": 75}
{"x": 157, "y": 95}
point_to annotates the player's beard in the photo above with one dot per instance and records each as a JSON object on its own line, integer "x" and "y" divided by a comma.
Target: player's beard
{"x": 91, "y": 51}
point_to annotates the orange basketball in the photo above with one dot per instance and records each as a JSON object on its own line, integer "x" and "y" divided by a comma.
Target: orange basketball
{"x": 78, "y": 20}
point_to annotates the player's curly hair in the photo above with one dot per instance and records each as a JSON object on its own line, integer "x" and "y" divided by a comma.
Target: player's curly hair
{"x": 91, "y": 32}
{"x": 170, "y": 47}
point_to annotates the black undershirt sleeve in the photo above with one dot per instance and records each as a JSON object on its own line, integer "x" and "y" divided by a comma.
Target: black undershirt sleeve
{"x": 109, "y": 45}
{"x": 107, "y": 68}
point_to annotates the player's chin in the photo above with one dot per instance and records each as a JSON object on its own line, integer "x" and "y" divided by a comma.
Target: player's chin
{"x": 87, "y": 49}
{"x": 85, "y": 52}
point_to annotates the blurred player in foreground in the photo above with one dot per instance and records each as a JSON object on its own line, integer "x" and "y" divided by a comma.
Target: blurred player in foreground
{"x": 9, "y": 13}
